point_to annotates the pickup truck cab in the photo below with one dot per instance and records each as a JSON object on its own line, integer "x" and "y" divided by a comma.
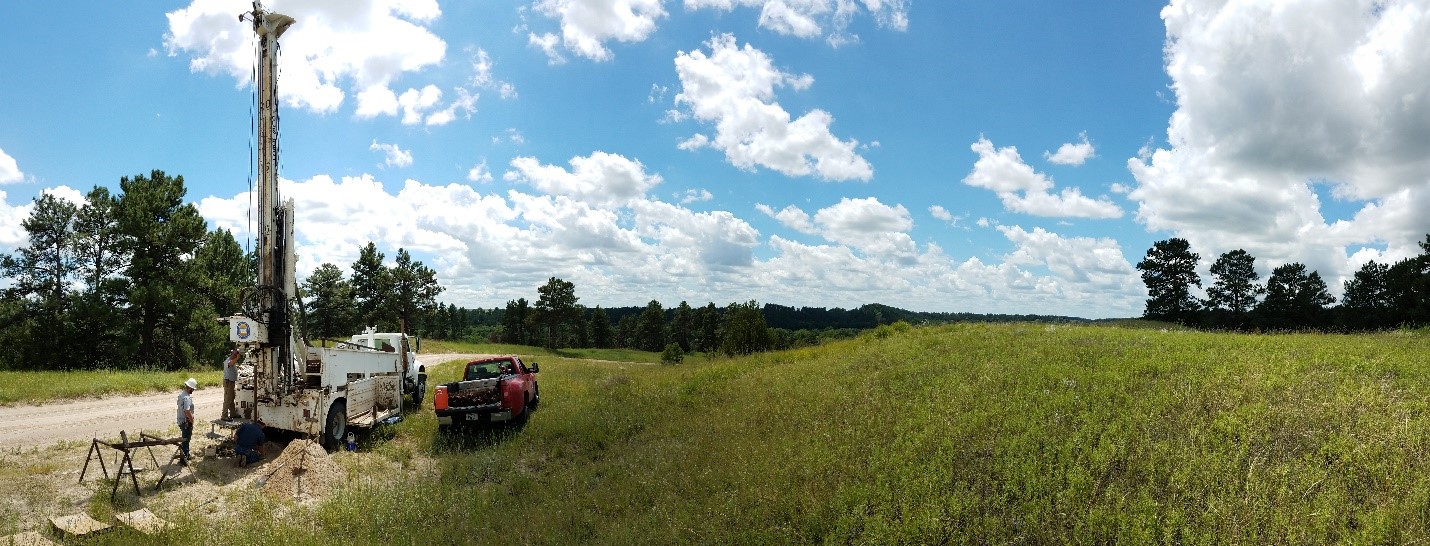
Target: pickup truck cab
{"x": 492, "y": 390}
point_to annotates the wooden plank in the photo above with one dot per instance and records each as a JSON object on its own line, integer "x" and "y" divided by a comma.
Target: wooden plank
{"x": 144, "y": 521}
{"x": 78, "y": 525}
{"x": 361, "y": 394}
{"x": 364, "y": 419}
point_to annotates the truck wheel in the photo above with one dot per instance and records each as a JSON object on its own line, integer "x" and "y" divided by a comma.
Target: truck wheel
{"x": 525, "y": 411}
{"x": 337, "y": 426}
{"x": 536, "y": 396}
{"x": 420, "y": 391}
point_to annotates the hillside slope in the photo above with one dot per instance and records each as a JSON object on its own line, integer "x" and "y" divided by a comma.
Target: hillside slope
{"x": 963, "y": 433}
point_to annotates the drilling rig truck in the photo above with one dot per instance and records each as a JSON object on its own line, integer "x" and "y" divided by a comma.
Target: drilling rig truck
{"x": 313, "y": 391}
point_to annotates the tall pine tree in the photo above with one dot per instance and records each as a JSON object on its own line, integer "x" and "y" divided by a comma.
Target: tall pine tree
{"x": 159, "y": 231}
{"x": 1170, "y": 271}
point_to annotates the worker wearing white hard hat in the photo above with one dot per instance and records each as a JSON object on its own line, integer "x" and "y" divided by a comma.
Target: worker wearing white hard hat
{"x": 185, "y": 418}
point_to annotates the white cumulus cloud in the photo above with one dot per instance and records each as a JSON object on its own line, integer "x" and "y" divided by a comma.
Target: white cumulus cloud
{"x": 1070, "y": 153}
{"x": 734, "y": 88}
{"x": 937, "y": 211}
{"x": 602, "y": 179}
{"x": 9, "y": 169}
{"x": 488, "y": 248}
{"x": 870, "y": 227}
{"x": 1024, "y": 190}
{"x": 12, "y": 233}
{"x": 331, "y": 50}
{"x": 864, "y": 225}
{"x": 392, "y": 155}
{"x": 791, "y": 217}
{"x": 1339, "y": 96}
{"x": 814, "y": 18}
{"x": 1097, "y": 264}
{"x": 483, "y": 68}
{"x": 693, "y": 196}
{"x": 586, "y": 25}
{"x": 480, "y": 173}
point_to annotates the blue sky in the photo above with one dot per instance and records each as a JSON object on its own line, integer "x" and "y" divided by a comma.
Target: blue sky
{"x": 1013, "y": 157}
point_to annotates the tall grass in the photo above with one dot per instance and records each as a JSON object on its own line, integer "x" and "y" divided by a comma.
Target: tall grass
{"x": 968, "y": 433}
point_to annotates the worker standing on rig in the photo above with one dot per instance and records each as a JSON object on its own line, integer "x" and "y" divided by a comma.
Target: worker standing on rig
{"x": 230, "y": 379}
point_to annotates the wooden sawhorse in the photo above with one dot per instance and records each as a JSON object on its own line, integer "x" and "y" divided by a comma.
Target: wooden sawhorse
{"x": 126, "y": 464}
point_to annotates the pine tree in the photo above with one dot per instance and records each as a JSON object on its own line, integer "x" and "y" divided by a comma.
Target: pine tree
{"x": 745, "y": 330}
{"x": 555, "y": 307}
{"x": 1366, "y": 301}
{"x": 414, "y": 290}
{"x": 707, "y": 322}
{"x": 1294, "y": 299}
{"x": 1169, "y": 271}
{"x": 1234, "y": 291}
{"x": 331, "y": 308}
{"x": 601, "y": 332}
{"x": 682, "y": 326}
{"x": 39, "y": 276}
{"x": 372, "y": 289}
{"x": 159, "y": 231}
{"x": 514, "y": 322}
{"x": 651, "y": 329}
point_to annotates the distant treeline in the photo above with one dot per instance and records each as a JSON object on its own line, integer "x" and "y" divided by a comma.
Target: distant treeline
{"x": 1379, "y": 296}
{"x": 556, "y": 320}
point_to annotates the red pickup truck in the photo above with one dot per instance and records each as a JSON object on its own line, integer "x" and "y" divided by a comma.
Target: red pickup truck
{"x": 492, "y": 390}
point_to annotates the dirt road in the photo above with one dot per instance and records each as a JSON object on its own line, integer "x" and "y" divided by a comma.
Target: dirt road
{"x": 81, "y": 420}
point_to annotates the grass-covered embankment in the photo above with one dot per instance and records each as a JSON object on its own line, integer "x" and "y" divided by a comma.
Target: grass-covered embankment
{"x": 966, "y": 433}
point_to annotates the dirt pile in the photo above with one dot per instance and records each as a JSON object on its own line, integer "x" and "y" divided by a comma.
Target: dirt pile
{"x": 302, "y": 472}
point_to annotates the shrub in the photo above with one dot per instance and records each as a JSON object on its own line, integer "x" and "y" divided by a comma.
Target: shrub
{"x": 673, "y": 354}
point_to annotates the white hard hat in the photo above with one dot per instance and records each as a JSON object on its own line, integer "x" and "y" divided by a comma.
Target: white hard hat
{"x": 192, "y": 383}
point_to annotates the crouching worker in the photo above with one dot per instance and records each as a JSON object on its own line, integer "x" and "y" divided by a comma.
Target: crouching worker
{"x": 248, "y": 442}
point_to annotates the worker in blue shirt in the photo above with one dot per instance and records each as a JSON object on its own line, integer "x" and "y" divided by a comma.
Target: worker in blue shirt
{"x": 248, "y": 442}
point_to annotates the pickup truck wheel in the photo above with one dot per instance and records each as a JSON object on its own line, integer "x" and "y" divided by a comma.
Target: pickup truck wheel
{"x": 536, "y": 397}
{"x": 337, "y": 426}
{"x": 525, "y": 411}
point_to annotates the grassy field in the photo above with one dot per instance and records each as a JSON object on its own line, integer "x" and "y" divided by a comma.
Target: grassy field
{"x": 40, "y": 387}
{"x": 968, "y": 433}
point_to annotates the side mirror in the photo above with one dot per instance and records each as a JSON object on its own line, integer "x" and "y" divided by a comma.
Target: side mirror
{"x": 534, "y": 367}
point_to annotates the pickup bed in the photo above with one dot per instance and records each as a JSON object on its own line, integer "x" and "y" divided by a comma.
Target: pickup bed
{"x": 492, "y": 390}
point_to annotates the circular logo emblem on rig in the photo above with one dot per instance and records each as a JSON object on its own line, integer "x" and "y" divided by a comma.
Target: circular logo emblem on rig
{"x": 244, "y": 330}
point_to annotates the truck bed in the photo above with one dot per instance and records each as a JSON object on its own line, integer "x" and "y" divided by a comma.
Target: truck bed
{"x": 476, "y": 392}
